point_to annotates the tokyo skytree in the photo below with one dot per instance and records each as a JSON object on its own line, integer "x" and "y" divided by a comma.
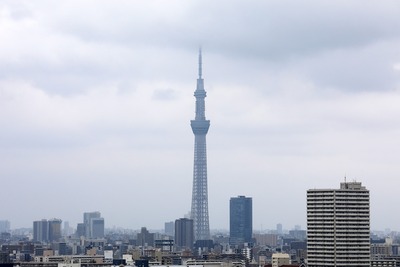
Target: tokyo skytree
{"x": 200, "y": 125}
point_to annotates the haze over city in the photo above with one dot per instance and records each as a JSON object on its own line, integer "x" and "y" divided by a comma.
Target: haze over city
{"x": 96, "y": 99}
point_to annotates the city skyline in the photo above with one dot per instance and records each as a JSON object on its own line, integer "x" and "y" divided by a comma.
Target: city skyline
{"x": 95, "y": 110}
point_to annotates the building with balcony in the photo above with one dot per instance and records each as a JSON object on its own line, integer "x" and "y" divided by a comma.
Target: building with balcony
{"x": 338, "y": 226}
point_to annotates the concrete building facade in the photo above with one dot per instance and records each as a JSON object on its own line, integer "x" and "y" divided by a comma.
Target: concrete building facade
{"x": 279, "y": 259}
{"x": 338, "y": 226}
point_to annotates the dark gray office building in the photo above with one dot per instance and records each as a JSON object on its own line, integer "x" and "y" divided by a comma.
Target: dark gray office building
{"x": 145, "y": 238}
{"x": 47, "y": 230}
{"x": 41, "y": 231}
{"x": 184, "y": 234}
{"x": 241, "y": 220}
{"x": 97, "y": 228}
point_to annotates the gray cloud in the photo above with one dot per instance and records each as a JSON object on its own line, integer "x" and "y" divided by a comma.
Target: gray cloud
{"x": 97, "y": 97}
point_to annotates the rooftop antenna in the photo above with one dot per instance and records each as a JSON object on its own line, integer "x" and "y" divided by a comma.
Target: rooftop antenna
{"x": 200, "y": 63}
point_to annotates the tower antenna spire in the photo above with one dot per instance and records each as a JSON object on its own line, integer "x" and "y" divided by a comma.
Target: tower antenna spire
{"x": 199, "y": 210}
{"x": 200, "y": 63}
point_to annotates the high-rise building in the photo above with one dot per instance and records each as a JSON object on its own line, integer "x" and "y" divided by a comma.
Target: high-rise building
{"x": 80, "y": 230}
{"x": 47, "y": 230}
{"x": 65, "y": 228}
{"x": 169, "y": 228}
{"x": 97, "y": 228}
{"x": 240, "y": 220}
{"x": 279, "y": 229}
{"x": 200, "y": 126}
{"x": 4, "y": 226}
{"x": 338, "y": 226}
{"x": 41, "y": 231}
{"x": 91, "y": 219}
{"x": 54, "y": 229}
{"x": 184, "y": 236}
{"x": 145, "y": 238}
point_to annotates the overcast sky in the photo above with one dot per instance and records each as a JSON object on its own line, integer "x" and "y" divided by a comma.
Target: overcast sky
{"x": 96, "y": 99}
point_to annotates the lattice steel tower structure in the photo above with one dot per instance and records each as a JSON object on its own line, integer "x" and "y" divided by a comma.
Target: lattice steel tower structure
{"x": 200, "y": 125}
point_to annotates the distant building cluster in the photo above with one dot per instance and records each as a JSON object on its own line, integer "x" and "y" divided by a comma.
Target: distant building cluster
{"x": 47, "y": 230}
{"x": 337, "y": 234}
{"x": 92, "y": 226}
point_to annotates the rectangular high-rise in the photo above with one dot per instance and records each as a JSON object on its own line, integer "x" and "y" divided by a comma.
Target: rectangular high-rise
{"x": 47, "y": 230}
{"x": 184, "y": 235}
{"x": 4, "y": 226}
{"x": 240, "y": 220}
{"x": 41, "y": 231}
{"x": 54, "y": 226}
{"x": 94, "y": 224}
{"x": 169, "y": 228}
{"x": 97, "y": 228}
{"x": 338, "y": 226}
{"x": 145, "y": 238}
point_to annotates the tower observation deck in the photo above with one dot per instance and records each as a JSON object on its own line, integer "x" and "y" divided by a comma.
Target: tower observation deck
{"x": 200, "y": 125}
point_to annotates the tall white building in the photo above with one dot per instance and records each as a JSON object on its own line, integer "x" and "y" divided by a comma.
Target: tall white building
{"x": 338, "y": 226}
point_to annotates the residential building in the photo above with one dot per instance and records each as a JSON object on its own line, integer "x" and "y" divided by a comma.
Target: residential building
{"x": 338, "y": 226}
{"x": 279, "y": 259}
{"x": 266, "y": 239}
